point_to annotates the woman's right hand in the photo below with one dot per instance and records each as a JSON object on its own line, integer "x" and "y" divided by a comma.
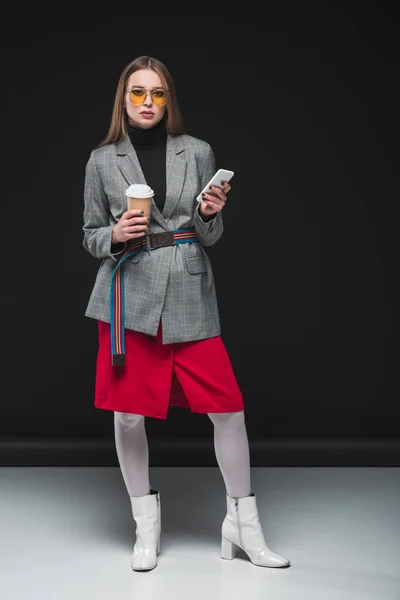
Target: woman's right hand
{"x": 131, "y": 225}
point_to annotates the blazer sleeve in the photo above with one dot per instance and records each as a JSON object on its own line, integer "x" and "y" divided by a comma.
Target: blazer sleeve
{"x": 96, "y": 216}
{"x": 208, "y": 232}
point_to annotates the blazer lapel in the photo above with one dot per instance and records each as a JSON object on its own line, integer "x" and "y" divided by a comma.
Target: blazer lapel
{"x": 130, "y": 168}
{"x": 176, "y": 169}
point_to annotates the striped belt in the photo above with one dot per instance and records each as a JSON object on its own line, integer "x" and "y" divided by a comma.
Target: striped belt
{"x": 117, "y": 301}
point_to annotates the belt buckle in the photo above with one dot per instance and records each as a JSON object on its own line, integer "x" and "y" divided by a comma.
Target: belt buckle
{"x": 160, "y": 240}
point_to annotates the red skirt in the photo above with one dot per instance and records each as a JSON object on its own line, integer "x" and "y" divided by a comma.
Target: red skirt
{"x": 197, "y": 375}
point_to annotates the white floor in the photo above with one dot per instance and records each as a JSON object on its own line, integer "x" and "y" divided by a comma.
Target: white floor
{"x": 67, "y": 534}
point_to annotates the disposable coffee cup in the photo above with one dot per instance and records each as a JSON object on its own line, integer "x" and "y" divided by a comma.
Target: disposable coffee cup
{"x": 140, "y": 197}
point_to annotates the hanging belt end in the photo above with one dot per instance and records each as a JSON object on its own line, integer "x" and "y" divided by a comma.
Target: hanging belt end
{"x": 118, "y": 360}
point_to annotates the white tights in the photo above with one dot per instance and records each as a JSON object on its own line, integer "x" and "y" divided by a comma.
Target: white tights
{"x": 230, "y": 444}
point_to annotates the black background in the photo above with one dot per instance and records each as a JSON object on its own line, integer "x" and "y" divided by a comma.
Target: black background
{"x": 302, "y": 103}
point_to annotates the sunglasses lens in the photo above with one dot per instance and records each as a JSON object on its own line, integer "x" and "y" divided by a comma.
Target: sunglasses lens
{"x": 137, "y": 96}
{"x": 159, "y": 98}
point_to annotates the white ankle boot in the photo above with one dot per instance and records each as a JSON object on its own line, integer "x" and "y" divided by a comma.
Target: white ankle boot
{"x": 147, "y": 514}
{"x": 242, "y": 528}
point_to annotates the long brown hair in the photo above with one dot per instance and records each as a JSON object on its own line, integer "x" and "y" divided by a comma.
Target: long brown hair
{"x": 119, "y": 119}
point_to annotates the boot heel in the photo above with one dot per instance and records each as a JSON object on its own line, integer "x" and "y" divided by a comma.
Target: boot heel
{"x": 228, "y": 549}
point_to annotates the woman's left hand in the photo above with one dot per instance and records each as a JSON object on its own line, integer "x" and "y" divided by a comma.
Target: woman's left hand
{"x": 214, "y": 199}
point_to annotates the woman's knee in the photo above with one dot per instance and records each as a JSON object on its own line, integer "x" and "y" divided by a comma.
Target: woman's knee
{"x": 127, "y": 421}
{"x": 231, "y": 419}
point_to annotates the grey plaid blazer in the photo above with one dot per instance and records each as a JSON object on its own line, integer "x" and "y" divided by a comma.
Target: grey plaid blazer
{"x": 174, "y": 283}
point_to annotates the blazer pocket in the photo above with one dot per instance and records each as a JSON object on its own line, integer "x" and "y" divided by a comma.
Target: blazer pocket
{"x": 196, "y": 264}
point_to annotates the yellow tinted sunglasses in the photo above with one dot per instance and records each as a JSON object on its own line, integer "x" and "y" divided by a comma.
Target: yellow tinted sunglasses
{"x": 137, "y": 96}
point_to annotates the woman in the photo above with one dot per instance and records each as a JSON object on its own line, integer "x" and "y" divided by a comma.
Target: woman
{"x": 163, "y": 310}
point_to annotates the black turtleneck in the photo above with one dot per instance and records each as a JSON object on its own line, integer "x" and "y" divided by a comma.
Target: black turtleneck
{"x": 151, "y": 149}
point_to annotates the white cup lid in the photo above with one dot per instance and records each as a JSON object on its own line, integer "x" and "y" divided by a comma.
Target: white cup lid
{"x": 139, "y": 190}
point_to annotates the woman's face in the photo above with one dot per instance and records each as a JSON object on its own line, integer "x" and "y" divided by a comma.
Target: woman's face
{"x": 149, "y": 113}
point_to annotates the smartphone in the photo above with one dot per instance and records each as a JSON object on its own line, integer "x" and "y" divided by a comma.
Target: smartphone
{"x": 220, "y": 175}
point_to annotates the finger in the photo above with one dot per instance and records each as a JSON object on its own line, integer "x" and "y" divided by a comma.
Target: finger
{"x": 135, "y": 236}
{"x": 135, "y": 228}
{"x": 137, "y": 220}
{"x": 219, "y": 192}
{"x": 213, "y": 198}
{"x": 211, "y": 195}
{"x": 215, "y": 206}
{"x": 133, "y": 212}
{"x": 226, "y": 186}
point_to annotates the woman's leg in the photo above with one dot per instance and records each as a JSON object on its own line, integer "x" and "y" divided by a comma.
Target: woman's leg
{"x": 133, "y": 452}
{"x": 232, "y": 452}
